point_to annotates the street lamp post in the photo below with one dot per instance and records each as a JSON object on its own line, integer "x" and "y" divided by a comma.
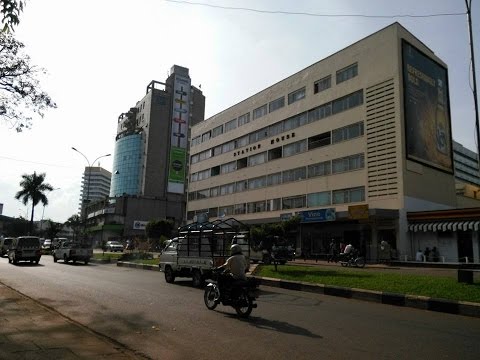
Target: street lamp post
{"x": 84, "y": 207}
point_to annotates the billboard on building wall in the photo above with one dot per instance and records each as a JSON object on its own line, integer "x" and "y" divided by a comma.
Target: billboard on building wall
{"x": 428, "y": 133}
{"x": 179, "y": 134}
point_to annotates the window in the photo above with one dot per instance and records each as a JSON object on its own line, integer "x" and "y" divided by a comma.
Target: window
{"x": 275, "y": 153}
{"x": 296, "y": 95}
{"x": 319, "y": 141}
{"x": 257, "y": 183}
{"x": 228, "y": 167}
{"x": 241, "y": 186}
{"x": 239, "y": 209}
{"x": 217, "y": 131}
{"x": 258, "y": 135}
{"x": 274, "y": 204}
{"x": 347, "y": 73}
{"x": 347, "y": 132}
{"x": 348, "y": 163}
{"x": 230, "y": 146}
{"x": 319, "y": 199}
{"x": 322, "y": 84}
{"x": 320, "y": 169}
{"x": 230, "y": 125}
{"x": 241, "y": 142}
{"x": 194, "y": 159}
{"x": 215, "y": 191}
{"x": 225, "y": 210}
{"x": 257, "y": 159}
{"x": 227, "y": 189}
{"x": 295, "y": 148}
{"x": 275, "y": 129}
{"x": 295, "y": 122}
{"x": 294, "y": 174}
{"x": 347, "y": 102}
{"x": 259, "y": 112}
{"x": 293, "y": 202}
{"x": 206, "y": 136}
{"x": 274, "y": 179}
{"x": 320, "y": 112}
{"x": 276, "y": 104}
{"x": 242, "y": 163}
{"x": 348, "y": 195}
{"x": 214, "y": 171}
{"x": 196, "y": 140}
{"x": 205, "y": 155}
{"x": 255, "y": 207}
{"x": 217, "y": 150}
{"x": 244, "y": 119}
{"x": 203, "y": 194}
{"x": 192, "y": 196}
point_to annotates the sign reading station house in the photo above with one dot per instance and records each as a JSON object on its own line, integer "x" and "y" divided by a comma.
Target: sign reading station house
{"x": 319, "y": 215}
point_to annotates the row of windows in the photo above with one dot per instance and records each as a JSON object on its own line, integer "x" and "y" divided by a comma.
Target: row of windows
{"x": 331, "y": 108}
{"x": 325, "y": 198}
{"x": 335, "y": 166}
{"x": 331, "y": 137}
{"x": 318, "y": 86}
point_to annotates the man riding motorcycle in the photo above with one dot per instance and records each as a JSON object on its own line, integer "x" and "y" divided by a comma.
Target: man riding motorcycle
{"x": 235, "y": 268}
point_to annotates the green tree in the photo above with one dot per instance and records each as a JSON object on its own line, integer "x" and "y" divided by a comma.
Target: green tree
{"x": 20, "y": 94}
{"x": 156, "y": 230}
{"x": 53, "y": 229}
{"x": 10, "y": 10}
{"x": 75, "y": 223}
{"x": 33, "y": 189}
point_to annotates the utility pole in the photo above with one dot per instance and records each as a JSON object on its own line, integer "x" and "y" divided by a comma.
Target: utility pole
{"x": 468, "y": 3}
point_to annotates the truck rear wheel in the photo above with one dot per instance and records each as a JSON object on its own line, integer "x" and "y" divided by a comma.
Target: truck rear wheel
{"x": 169, "y": 275}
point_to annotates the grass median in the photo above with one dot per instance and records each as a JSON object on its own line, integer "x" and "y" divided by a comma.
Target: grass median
{"x": 441, "y": 287}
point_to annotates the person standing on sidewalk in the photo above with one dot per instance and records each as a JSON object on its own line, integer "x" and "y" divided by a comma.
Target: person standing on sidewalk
{"x": 332, "y": 251}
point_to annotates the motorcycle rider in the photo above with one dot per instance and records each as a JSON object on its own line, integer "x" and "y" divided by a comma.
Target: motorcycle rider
{"x": 234, "y": 269}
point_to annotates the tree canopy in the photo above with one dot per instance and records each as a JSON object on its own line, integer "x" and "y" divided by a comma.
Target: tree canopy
{"x": 10, "y": 10}
{"x": 20, "y": 94}
{"x": 33, "y": 189}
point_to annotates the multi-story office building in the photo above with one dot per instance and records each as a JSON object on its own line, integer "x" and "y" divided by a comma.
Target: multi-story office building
{"x": 350, "y": 144}
{"x": 466, "y": 165}
{"x": 150, "y": 158}
{"x": 95, "y": 185}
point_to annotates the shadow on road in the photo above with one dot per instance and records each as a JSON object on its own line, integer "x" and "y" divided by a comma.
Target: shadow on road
{"x": 280, "y": 326}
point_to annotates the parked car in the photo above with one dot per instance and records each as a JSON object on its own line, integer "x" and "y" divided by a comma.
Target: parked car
{"x": 4, "y": 245}
{"x": 25, "y": 248}
{"x": 47, "y": 244}
{"x": 113, "y": 246}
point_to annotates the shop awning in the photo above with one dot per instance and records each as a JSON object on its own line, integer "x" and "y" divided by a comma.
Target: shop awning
{"x": 445, "y": 226}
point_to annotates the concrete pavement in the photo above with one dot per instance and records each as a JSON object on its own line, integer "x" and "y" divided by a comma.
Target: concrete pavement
{"x": 30, "y": 330}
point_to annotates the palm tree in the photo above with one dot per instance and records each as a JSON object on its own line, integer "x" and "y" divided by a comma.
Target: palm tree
{"x": 33, "y": 188}
{"x": 74, "y": 222}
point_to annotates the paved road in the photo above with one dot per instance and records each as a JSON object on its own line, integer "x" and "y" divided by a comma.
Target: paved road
{"x": 139, "y": 309}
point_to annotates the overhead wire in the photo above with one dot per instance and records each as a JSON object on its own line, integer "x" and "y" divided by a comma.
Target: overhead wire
{"x": 301, "y": 13}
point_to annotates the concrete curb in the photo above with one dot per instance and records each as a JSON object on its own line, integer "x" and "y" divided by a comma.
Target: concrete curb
{"x": 418, "y": 302}
{"x": 138, "y": 266}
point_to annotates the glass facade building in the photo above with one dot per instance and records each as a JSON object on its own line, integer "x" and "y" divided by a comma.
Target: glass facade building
{"x": 127, "y": 166}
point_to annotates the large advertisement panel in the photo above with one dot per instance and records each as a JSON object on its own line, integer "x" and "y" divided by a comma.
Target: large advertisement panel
{"x": 427, "y": 110}
{"x": 179, "y": 134}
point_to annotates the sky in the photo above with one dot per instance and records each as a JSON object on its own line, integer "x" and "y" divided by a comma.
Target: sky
{"x": 101, "y": 55}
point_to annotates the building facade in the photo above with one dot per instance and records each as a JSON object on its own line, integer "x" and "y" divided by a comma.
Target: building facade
{"x": 150, "y": 159}
{"x": 95, "y": 185}
{"x": 350, "y": 144}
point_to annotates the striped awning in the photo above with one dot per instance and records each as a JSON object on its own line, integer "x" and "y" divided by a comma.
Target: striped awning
{"x": 445, "y": 226}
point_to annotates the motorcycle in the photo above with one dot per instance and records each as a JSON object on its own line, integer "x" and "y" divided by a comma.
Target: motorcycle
{"x": 352, "y": 260}
{"x": 240, "y": 294}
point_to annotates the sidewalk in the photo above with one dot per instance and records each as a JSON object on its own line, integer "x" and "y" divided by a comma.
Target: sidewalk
{"x": 29, "y": 330}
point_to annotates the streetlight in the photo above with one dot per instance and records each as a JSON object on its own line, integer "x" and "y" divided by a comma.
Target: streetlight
{"x": 88, "y": 180}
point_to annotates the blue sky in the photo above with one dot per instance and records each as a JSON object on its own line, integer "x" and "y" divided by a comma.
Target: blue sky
{"x": 101, "y": 55}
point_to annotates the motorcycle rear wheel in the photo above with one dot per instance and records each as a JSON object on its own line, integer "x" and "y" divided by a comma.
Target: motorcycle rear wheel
{"x": 209, "y": 297}
{"x": 360, "y": 262}
{"x": 245, "y": 309}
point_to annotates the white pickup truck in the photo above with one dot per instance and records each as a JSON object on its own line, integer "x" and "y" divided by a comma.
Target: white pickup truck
{"x": 69, "y": 250}
{"x": 199, "y": 248}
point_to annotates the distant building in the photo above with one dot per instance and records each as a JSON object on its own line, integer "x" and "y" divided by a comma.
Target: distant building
{"x": 150, "y": 164}
{"x": 95, "y": 185}
{"x": 466, "y": 165}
